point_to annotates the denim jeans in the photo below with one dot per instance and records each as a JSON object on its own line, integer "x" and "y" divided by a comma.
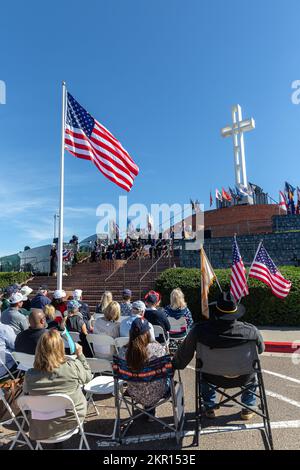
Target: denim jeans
{"x": 209, "y": 395}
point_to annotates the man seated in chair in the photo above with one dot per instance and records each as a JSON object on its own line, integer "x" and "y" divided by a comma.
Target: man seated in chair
{"x": 222, "y": 330}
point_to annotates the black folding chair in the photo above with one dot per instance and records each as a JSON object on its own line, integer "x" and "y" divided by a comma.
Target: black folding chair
{"x": 223, "y": 369}
{"x": 157, "y": 369}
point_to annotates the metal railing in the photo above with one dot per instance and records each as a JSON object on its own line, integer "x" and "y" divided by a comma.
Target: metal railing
{"x": 165, "y": 254}
{"x": 132, "y": 256}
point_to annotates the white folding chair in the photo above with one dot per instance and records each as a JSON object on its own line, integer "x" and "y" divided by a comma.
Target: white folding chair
{"x": 45, "y": 407}
{"x": 75, "y": 336}
{"x": 8, "y": 373}
{"x": 178, "y": 332}
{"x": 100, "y": 385}
{"x": 99, "y": 343}
{"x": 25, "y": 361}
{"x": 120, "y": 342}
{"x": 159, "y": 331}
{"x": 13, "y": 418}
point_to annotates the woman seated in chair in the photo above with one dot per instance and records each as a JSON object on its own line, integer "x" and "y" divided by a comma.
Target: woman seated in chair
{"x": 76, "y": 323}
{"x": 54, "y": 373}
{"x": 178, "y": 308}
{"x": 50, "y": 313}
{"x": 109, "y": 324}
{"x": 106, "y": 299}
{"x": 138, "y": 352}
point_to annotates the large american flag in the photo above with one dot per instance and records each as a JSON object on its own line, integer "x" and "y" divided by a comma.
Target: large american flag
{"x": 264, "y": 269}
{"x": 238, "y": 280}
{"x": 86, "y": 138}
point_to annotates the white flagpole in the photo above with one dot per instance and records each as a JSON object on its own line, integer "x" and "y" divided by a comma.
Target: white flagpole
{"x": 61, "y": 203}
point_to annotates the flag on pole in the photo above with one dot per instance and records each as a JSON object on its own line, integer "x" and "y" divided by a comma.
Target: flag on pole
{"x": 88, "y": 139}
{"x": 238, "y": 280}
{"x": 282, "y": 201}
{"x": 150, "y": 223}
{"x": 298, "y": 201}
{"x": 207, "y": 278}
{"x": 264, "y": 269}
{"x": 210, "y": 200}
{"x": 226, "y": 195}
{"x": 218, "y": 195}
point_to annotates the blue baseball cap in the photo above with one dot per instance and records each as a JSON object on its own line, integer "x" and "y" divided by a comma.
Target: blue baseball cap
{"x": 139, "y": 327}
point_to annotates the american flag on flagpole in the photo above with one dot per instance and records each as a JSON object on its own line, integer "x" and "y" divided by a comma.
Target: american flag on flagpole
{"x": 88, "y": 139}
{"x": 238, "y": 280}
{"x": 264, "y": 269}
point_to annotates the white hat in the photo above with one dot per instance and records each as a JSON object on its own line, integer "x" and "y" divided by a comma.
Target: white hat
{"x": 77, "y": 293}
{"x": 59, "y": 294}
{"x": 26, "y": 290}
{"x": 16, "y": 298}
{"x": 139, "y": 306}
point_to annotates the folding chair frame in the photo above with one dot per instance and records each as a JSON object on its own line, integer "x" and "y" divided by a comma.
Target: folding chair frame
{"x": 261, "y": 395}
{"x": 131, "y": 405}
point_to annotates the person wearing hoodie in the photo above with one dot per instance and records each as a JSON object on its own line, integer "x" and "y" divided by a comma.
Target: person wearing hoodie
{"x": 178, "y": 308}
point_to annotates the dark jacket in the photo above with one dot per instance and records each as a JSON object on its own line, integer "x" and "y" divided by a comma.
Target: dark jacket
{"x": 158, "y": 317}
{"x": 39, "y": 301}
{"x": 216, "y": 334}
{"x": 27, "y": 340}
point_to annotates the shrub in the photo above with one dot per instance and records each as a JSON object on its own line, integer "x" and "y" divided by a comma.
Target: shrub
{"x": 262, "y": 307}
{"x": 10, "y": 278}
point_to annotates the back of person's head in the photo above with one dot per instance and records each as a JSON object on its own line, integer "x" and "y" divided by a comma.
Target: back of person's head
{"x": 127, "y": 294}
{"x": 58, "y": 296}
{"x": 139, "y": 338}
{"x": 49, "y": 311}
{"x": 37, "y": 318}
{"x": 177, "y": 299}
{"x": 138, "y": 308}
{"x": 16, "y": 300}
{"x": 151, "y": 300}
{"x": 43, "y": 290}
{"x": 73, "y": 307}
{"x": 50, "y": 351}
{"x": 106, "y": 299}
{"x": 77, "y": 294}
{"x": 112, "y": 312}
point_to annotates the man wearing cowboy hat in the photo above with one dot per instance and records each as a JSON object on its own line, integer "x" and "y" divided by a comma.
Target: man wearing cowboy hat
{"x": 223, "y": 330}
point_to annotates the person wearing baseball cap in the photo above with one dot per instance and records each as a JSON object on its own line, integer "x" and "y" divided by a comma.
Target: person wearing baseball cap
{"x": 224, "y": 329}
{"x": 12, "y": 315}
{"x": 8, "y": 291}
{"x": 137, "y": 353}
{"x": 126, "y": 305}
{"x": 40, "y": 300}
{"x": 26, "y": 291}
{"x": 138, "y": 311}
{"x": 59, "y": 303}
{"x": 156, "y": 316}
{"x": 84, "y": 309}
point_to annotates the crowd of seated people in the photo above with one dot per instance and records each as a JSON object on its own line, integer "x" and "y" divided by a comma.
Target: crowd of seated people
{"x": 44, "y": 331}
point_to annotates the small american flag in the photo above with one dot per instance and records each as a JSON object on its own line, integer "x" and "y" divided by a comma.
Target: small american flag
{"x": 264, "y": 269}
{"x": 67, "y": 254}
{"x": 238, "y": 280}
{"x": 86, "y": 138}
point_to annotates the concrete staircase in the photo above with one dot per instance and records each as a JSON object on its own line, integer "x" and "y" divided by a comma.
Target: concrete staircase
{"x": 94, "y": 278}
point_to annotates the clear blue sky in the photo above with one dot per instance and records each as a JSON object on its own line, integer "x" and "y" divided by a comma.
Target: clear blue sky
{"x": 162, "y": 76}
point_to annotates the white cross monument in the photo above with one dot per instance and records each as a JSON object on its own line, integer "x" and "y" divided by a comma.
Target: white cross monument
{"x": 236, "y": 130}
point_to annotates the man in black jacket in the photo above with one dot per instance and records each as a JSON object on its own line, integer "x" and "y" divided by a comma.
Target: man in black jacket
{"x": 156, "y": 316}
{"x": 27, "y": 340}
{"x": 222, "y": 330}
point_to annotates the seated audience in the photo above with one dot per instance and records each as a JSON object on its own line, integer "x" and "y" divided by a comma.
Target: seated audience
{"x": 222, "y": 330}
{"x": 26, "y": 291}
{"x": 138, "y": 311}
{"x": 60, "y": 305}
{"x": 109, "y": 325}
{"x": 8, "y": 292}
{"x": 41, "y": 299}
{"x": 75, "y": 323}
{"x": 84, "y": 308}
{"x": 178, "y": 308}
{"x": 139, "y": 351}
{"x": 12, "y": 316}
{"x": 54, "y": 373}
{"x": 155, "y": 316}
{"x": 50, "y": 314}
{"x": 7, "y": 345}
{"x": 27, "y": 340}
{"x": 105, "y": 300}
{"x": 126, "y": 305}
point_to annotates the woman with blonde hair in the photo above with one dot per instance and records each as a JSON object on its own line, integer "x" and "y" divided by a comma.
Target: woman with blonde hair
{"x": 178, "y": 308}
{"x": 50, "y": 314}
{"x": 52, "y": 372}
{"x": 109, "y": 324}
{"x": 106, "y": 299}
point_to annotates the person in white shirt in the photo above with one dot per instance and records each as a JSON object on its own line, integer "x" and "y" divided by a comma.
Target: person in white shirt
{"x": 138, "y": 311}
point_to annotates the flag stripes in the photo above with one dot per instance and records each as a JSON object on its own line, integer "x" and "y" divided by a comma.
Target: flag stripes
{"x": 88, "y": 139}
{"x": 238, "y": 280}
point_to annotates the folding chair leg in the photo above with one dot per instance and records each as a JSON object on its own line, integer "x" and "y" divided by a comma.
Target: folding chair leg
{"x": 265, "y": 411}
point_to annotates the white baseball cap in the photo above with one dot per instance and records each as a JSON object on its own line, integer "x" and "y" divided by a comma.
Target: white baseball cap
{"x": 59, "y": 294}
{"x": 77, "y": 293}
{"x": 25, "y": 291}
{"x": 16, "y": 298}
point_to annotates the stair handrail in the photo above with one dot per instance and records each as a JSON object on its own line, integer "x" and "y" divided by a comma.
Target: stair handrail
{"x": 152, "y": 266}
{"x": 119, "y": 267}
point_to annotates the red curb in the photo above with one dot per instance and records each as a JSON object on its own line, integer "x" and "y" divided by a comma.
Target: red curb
{"x": 288, "y": 347}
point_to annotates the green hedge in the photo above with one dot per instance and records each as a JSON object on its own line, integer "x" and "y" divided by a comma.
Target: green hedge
{"x": 10, "y": 278}
{"x": 262, "y": 307}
